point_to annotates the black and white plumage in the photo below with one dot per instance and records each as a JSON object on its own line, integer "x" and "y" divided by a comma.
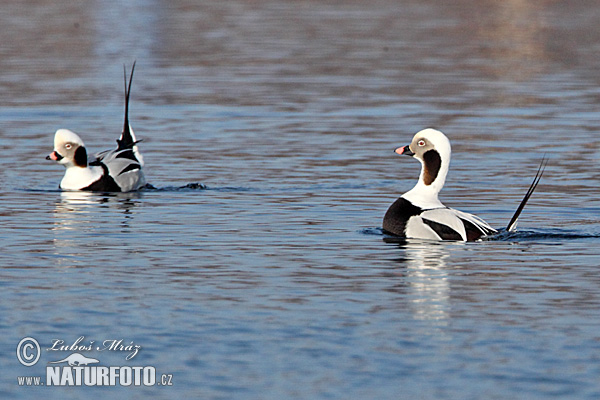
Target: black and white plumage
{"x": 419, "y": 214}
{"x": 117, "y": 170}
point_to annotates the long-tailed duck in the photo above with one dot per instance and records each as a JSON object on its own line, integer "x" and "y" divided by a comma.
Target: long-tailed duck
{"x": 419, "y": 213}
{"x": 118, "y": 170}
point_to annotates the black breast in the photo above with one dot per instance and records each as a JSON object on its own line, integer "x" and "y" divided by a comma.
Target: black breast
{"x": 397, "y": 216}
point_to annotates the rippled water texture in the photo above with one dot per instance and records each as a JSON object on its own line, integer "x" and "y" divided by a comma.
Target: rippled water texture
{"x": 275, "y": 281}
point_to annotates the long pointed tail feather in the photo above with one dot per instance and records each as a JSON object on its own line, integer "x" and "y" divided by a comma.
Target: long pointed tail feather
{"x": 127, "y": 138}
{"x": 513, "y": 222}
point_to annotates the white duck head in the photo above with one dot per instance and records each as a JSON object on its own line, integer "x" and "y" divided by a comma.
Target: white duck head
{"x": 69, "y": 149}
{"x": 432, "y": 148}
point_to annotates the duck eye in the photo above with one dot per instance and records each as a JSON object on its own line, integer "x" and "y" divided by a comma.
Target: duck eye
{"x": 68, "y": 146}
{"x": 421, "y": 143}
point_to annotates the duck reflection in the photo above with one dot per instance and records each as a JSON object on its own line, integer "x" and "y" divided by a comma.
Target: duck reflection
{"x": 426, "y": 277}
{"x": 75, "y": 209}
{"x": 80, "y": 218}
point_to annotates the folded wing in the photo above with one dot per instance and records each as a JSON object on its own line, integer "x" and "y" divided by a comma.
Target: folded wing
{"x": 448, "y": 224}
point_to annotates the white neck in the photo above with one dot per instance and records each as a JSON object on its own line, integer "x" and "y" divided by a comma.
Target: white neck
{"x": 426, "y": 196}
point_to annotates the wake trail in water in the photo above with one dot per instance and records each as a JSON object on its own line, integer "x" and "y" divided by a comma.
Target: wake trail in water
{"x": 548, "y": 234}
{"x": 188, "y": 187}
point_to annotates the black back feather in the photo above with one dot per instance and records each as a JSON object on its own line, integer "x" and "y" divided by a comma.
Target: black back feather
{"x": 443, "y": 231}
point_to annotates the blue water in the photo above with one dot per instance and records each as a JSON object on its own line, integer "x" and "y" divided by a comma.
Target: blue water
{"x": 275, "y": 280}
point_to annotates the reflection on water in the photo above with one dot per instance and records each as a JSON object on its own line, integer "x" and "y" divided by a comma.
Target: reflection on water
{"x": 71, "y": 210}
{"x": 78, "y": 214}
{"x": 426, "y": 276}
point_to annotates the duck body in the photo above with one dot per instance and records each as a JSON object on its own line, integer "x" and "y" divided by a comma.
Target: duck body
{"x": 405, "y": 219}
{"x": 117, "y": 170}
{"x": 419, "y": 213}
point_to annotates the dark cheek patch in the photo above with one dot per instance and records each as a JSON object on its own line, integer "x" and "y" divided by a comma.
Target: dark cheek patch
{"x": 433, "y": 163}
{"x": 80, "y": 158}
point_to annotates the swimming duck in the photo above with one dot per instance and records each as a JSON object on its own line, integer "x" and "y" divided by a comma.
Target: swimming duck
{"x": 420, "y": 214}
{"x": 117, "y": 170}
